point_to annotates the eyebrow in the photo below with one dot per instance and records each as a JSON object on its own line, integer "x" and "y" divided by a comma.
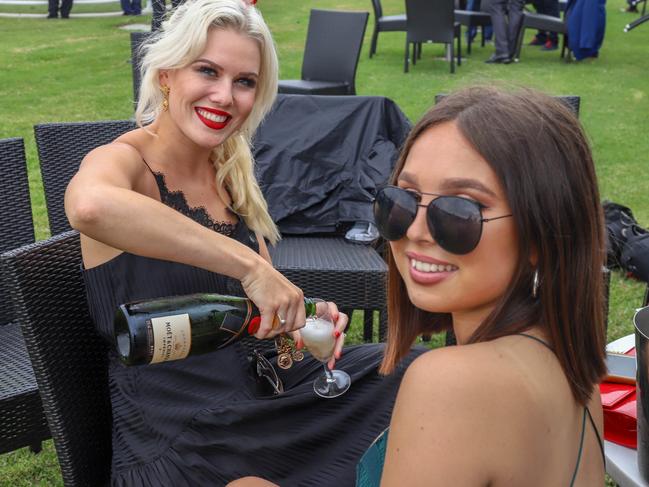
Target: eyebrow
{"x": 219, "y": 67}
{"x": 451, "y": 183}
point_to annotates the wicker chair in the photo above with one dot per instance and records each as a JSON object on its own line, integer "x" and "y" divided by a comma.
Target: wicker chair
{"x": 61, "y": 148}
{"x": 333, "y": 46}
{"x": 68, "y": 356}
{"x": 432, "y": 21}
{"x": 137, "y": 39}
{"x": 385, "y": 23}
{"x": 22, "y": 422}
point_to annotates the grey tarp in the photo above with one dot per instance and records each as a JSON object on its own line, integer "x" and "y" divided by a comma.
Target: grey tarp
{"x": 320, "y": 159}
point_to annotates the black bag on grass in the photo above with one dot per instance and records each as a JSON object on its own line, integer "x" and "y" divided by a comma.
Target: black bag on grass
{"x": 619, "y": 219}
{"x": 635, "y": 254}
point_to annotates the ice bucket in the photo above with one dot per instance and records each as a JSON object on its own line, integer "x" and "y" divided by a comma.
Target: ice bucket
{"x": 641, "y": 322}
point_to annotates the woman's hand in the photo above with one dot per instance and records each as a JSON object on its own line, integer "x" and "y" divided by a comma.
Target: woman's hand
{"x": 340, "y": 321}
{"x": 280, "y": 303}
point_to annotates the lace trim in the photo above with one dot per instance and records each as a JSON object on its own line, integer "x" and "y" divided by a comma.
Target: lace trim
{"x": 177, "y": 200}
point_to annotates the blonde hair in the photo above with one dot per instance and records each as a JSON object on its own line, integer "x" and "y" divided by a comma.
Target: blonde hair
{"x": 180, "y": 41}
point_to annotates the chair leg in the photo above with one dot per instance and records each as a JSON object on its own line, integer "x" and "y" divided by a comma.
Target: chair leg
{"x": 451, "y": 45}
{"x": 459, "y": 48}
{"x": 368, "y": 325}
{"x": 519, "y": 42}
{"x": 468, "y": 41}
{"x": 406, "y": 57}
{"x": 414, "y": 53}
{"x": 419, "y": 50}
{"x": 36, "y": 447}
{"x": 375, "y": 37}
{"x": 482, "y": 35}
{"x": 383, "y": 324}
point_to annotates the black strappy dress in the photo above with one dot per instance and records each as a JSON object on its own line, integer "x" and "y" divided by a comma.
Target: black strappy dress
{"x": 198, "y": 421}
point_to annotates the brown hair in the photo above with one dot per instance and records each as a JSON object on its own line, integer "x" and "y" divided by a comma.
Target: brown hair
{"x": 540, "y": 154}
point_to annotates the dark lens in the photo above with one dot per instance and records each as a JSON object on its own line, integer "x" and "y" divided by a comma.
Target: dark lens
{"x": 455, "y": 223}
{"x": 267, "y": 376}
{"x": 394, "y": 211}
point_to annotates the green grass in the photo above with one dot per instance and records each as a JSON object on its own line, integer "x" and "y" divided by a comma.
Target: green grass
{"x": 77, "y": 70}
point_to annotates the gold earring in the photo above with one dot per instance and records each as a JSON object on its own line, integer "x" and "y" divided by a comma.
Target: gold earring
{"x": 165, "y": 97}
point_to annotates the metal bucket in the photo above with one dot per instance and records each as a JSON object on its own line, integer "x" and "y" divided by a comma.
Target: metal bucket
{"x": 641, "y": 322}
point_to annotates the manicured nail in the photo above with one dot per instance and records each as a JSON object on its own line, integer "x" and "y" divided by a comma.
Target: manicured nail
{"x": 336, "y": 333}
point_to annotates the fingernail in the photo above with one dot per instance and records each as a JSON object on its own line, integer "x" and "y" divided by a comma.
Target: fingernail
{"x": 336, "y": 333}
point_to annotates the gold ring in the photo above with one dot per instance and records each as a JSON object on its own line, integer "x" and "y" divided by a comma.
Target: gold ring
{"x": 278, "y": 320}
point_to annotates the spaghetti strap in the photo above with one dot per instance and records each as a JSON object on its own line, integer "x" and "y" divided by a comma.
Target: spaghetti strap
{"x": 581, "y": 442}
{"x": 581, "y": 447}
{"x": 149, "y": 167}
{"x": 542, "y": 342}
{"x": 583, "y": 421}
{"x": 599, "y": 438}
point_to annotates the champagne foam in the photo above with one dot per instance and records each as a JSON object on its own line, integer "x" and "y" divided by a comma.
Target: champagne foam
{"x": 318, "y": 337}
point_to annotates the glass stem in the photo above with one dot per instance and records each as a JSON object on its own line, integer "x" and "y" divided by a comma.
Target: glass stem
{"x": 330, "y": 376}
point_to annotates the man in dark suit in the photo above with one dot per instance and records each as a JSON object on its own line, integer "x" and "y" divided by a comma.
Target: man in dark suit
{"x": 506, "y": 18}
{"x": 53, "y": 9}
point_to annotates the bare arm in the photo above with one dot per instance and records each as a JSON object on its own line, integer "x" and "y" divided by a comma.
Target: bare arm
{"x": 102, "y": 203}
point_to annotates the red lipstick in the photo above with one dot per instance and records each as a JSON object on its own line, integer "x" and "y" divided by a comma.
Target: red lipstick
{"x": 213, "y": 124}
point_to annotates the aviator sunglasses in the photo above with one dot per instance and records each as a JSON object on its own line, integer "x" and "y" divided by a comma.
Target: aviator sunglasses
{"x": 453, "y": 221}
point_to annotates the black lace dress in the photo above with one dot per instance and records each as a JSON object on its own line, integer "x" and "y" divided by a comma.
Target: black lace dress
{"x": 199, "y": 421}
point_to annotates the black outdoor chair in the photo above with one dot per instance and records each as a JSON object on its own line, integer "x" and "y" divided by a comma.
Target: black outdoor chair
{"x": 385, "y": 23}
{"x": 69, "y": 358}
{"x": 544, "y": 23}
{"x": 22, "y": 422}
{"x": 431, "y": 21}
{"x": 61, "y": 148}
{"x": 473, "y": 18}
{"x": 137, "y": 38}
{"x": 333, "y": 46}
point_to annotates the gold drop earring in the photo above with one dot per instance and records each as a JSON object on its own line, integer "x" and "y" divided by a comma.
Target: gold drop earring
{"x": 165, "y": 97}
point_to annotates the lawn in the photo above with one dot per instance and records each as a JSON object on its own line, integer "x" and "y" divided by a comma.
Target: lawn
{"x": 78, "y": 69}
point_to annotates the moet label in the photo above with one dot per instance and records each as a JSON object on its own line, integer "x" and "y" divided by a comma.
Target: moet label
{"x": 172, "y": 337}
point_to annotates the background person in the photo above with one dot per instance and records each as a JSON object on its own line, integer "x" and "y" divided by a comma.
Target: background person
{"x": 131, "y": 7}
{"x": 160, "y": 11}
{"x": 506, "y": 19}
{"x": 56, "y": 6}
{"x": 173, "y": 208}
{"x": 548, "y": 40}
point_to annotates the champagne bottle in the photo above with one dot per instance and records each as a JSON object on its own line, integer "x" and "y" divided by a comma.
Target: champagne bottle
{"x": 172, "y": 328}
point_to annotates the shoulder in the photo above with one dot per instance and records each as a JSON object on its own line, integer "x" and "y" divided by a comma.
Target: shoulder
{"x": 118, "y": 159}
{"x": 456, "y": 403}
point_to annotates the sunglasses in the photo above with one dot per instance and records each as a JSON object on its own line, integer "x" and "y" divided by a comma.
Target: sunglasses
{"x": 453, "y": 221}
{"x": 268, "y": 382}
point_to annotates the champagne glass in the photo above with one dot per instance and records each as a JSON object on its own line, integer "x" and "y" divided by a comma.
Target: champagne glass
{"x": 318, "y": 336}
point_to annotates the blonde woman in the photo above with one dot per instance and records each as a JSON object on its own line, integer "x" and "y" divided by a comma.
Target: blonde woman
{"x": 173, "y": 208}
